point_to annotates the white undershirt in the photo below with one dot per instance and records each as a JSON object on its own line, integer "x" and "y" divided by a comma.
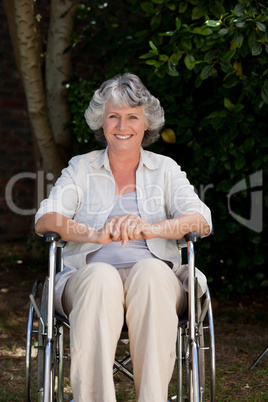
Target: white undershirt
{"x": 113, "y": 253}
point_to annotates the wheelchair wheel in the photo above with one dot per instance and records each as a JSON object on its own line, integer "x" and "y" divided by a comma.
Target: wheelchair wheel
{"x": 36, "y": 383}
{"x": 42, "y": 345}
{"x": 198, "y": 356}
{"x": 33, "y": 343}
{"x": 53, "y": 378}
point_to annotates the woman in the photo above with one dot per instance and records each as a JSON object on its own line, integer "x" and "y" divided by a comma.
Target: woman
{"x": 121, "y": 210}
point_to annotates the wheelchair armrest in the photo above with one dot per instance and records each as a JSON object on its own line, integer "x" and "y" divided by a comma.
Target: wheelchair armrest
{"x": 51, "y": 236}
{"x": 191, "y": 236}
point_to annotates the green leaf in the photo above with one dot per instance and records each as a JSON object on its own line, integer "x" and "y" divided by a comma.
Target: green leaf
{"x": 217, "y": 113}
{"x": 205, "y": 31}
{"x": 217, "y": 9}
{"x": 178, "y": 23}
{"x": 230, "y": 81}
{"x": 238, "y": 107}
{"x": 148, "y": 7}
{"x": 248, "y": 144}
{"x": 226, "y": 185}
{"x": 256, "y": 50}
{"x": 199, "y": 41}
{"x": 257, "y": 163}
{"x": 175, "y": 57}
{"x": 186, "y": 44}
{"x": 264, "y": 91}
{"x": 171, "y": 70}
{"x": 213, "y": 23}
{"x": 264, "y": 144}
{"x": 238, "y": 10}
{"x": 171, "y": 6}
{"x": 261, "y": 27}
{"x": 163, "y": 57}
{"x": 206, "y": 72}
{"x": 226, "y": 67}
{"x": 190, "y": 62}
{"x": 238, "y": 38}
{"x": 228, "y": 55}
{"x": 228, "y": 104}
{"x": 168, "y": 33}
{"x": 240, "y": 24}
{"x": 218, "y": 122}
{"x": 199, "y": 12}
{"x": 223, "y": 31}
{"x": 148, "y": 55}
{"x": 240, "y": 162}
{"x": 187, "y": 122}
{"x": 182, "y": 6}
{"x": 152, "y": 45}
{"x": 232, "y": 227}
{"x": 258, "y": 259}
{"x": 154, "y": 63}
{"x": 156, "y": 20}
{"x": 252, "y": 40}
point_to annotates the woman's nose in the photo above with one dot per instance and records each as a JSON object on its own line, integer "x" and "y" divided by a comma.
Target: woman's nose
{"x": 122, "y": 123}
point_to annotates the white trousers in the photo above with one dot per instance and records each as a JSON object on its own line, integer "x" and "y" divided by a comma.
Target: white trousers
{"x": 97, "y": 298}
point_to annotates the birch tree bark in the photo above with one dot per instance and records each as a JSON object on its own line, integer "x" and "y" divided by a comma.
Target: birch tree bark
{"x": 58, "y": 70}
{"x": 45, "y": 95}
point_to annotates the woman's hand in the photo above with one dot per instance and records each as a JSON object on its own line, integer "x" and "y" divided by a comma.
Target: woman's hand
{"x": 132, "y": 227}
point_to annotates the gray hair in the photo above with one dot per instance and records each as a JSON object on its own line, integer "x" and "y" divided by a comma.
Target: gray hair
{"x": 125, "y": 90}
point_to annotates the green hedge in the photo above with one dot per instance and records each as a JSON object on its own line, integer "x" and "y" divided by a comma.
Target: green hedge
{"x": 207, "y": 63}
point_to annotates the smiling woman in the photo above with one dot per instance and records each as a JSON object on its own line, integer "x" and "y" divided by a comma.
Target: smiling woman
{"x": 122, "y": 196}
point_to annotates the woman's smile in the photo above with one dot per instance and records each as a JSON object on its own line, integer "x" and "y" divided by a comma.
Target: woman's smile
{"x": 123, "y": 137}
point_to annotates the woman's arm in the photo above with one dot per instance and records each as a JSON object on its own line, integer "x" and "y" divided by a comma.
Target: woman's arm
{"x": 132, "y": 227}
{"x": 178, "y": 227}
{"x": 70, "y": 230}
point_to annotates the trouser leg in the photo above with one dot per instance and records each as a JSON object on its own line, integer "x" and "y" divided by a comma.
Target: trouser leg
{"x": 154, "y": 298}
{"x": 95, "y": 300}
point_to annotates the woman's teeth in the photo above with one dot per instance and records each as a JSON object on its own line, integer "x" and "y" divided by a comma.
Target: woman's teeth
{"x": 123, "y": 137}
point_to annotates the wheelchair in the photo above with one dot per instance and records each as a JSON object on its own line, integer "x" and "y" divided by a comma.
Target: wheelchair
{"x": 45, "y": 350}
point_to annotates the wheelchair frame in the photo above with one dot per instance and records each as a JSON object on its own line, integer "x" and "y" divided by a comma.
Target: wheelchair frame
{"x": 50, "y": 356}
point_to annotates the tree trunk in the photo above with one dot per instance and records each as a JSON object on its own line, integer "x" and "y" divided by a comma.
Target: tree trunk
{"x": 58, "y": 70}
{"x": 30, "y": 65}
{"x": 46, "y": 96}
{"x": 9, "y": 8}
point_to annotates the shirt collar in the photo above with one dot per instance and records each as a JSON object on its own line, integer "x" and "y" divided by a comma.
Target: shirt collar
{"x": 103, "y": 160}
{"x": 147, "y": 161}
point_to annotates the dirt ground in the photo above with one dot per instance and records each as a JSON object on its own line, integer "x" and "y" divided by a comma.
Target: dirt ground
{"x": 241, "y": 331}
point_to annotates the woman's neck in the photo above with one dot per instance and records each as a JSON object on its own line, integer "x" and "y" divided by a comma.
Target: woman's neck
{"x": 124, "y": 172}
{"x": 124, "y": 162}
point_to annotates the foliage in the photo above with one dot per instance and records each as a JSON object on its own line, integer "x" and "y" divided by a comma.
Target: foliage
{"x": 207, "y": 63}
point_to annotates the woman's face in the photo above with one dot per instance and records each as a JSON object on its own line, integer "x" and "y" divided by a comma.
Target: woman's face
{"x": 123, "y": 128}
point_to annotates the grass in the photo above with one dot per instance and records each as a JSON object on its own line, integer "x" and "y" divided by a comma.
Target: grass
{"x": 234, "y": 380}
{"x": 241, "y": 331}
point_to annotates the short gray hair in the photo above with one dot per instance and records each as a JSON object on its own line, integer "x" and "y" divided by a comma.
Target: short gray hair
{"x": 125, "y": 90}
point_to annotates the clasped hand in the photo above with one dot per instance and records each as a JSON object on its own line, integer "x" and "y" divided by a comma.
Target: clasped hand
{"x": 125, "y": 228}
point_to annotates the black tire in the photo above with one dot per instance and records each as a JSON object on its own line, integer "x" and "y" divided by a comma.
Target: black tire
{"x": 42, "y": 345}
{"x": 32, "y": 345}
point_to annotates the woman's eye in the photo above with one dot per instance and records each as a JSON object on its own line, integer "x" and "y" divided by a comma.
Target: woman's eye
{"x": 112, "y": 116}
{"x": 133, "y": 117}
